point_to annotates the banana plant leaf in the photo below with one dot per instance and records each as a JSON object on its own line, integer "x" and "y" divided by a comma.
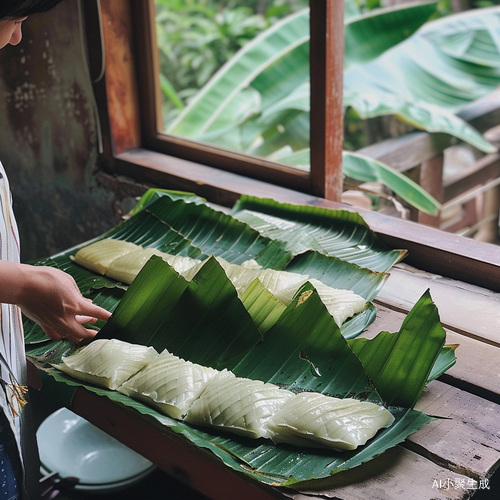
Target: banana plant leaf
{"x": 275, "y": 52}
{"x": 469, "y": 36}
{"x": 178, "y": 223}
{"x": 364, "y": 169}
{"x": 303, "y": 350}
{"x": 210, "y": 102}
{"x": 338, "y": 233}
{"x": 369, "y": 35}
{"x": 415, "y": 348}
{"x": 427, "y": 79}
{"x": 351, "y": 9}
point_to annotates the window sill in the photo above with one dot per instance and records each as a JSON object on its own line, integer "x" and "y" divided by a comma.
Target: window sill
{"x": 429, "y": 249}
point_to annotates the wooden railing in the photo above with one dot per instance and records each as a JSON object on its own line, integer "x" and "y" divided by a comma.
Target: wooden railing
{"x": 420, "y": 155}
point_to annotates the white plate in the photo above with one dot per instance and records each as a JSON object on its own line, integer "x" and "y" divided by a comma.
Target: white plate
{"x": 74, "y": 447}
{"x": 105, "y": 488}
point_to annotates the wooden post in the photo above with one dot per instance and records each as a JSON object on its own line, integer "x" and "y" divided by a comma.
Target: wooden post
{"x": 327, "y": 49}
{"x": 431, "y": 179}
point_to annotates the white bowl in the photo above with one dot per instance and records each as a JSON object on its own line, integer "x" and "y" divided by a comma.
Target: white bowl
{"x": 73, "y": 447}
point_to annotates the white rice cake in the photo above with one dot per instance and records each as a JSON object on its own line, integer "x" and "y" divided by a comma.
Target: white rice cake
{"x": 169, "y": 384}
{"x": 127, "y": 267}
{"x": 99, "y": 255}
{"x": 238, "y": 405}
{"x": 107, "y": 363}
{"x": 316, "y": 420}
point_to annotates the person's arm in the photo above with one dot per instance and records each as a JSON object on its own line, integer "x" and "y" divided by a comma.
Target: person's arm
{"x": 50, "y": 297}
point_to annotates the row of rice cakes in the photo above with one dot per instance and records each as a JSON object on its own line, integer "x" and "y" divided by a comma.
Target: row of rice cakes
{"x": 219, "y": 399}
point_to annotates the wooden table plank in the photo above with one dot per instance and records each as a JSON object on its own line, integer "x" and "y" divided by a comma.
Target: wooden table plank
{"x": 466, "y": 440}
{"x": 463, "y": 308}
{"x": 398, "y": 474}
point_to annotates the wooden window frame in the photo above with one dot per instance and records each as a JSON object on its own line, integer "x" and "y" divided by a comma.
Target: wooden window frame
{"x": 130, "y": 146}
{"x": 135, "y": 126}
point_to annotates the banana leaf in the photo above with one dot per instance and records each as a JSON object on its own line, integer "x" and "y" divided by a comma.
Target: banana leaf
{"x": 369, "y": 35}
{"x": 365, "y": 169}
{"x": 469, "y": 36}
{"x": 153, "y": 194}
{"x": 338, "y": 233}
{"x": 178, "y": 223}
{"x": 445, "y": 361}
{"x": 303, "y": 350}
{"x": 210, "y": 102}
{"x": 428, "y": 79}
{"x": 415, "y": 348}
{"x": 276, "y": 52}
{"x": 351, "y": 9}
{"x": 338, "y": 273}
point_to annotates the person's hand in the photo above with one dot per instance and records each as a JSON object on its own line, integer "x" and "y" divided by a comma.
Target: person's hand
{"x": 51, "y": 298}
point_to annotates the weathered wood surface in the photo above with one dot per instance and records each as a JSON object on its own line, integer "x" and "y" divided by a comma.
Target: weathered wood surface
{"x": 463, "y": 308}
{"x": 398, "y": 474}
{"x": 466, "y": 439}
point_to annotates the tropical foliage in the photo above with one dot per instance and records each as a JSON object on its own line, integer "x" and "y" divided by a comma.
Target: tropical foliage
{"x": 299, "y": 347}
{"x": 195, "y": 38}
{"x": 258, "y": 102}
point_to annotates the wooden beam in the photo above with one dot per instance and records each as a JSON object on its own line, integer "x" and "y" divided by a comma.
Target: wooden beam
{"x": 327, "y": 49}
{"x": 121, "y": 83}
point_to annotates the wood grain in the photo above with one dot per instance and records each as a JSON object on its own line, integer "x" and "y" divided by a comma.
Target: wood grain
{"x": 466, "y": 309}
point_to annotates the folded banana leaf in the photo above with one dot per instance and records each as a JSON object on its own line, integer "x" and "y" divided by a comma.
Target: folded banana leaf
{"x": 183, "y": 225}
{"x": 338, "y": 233}
{"x": 298, "y": 347}
{"x": 205, "y": 322}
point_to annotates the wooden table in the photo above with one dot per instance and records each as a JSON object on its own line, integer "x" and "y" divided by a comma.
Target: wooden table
{"x": 450, "y": 458}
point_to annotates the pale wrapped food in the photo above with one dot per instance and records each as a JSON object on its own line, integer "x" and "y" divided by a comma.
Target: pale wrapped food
{"x": 127, "y": 267}
{"x": 99, "y": 255}
{"x": 238, "y": 405}
{"x": 107, "y": 363}
{"x": 169, "y": 384}
{"x": 241, "y": 278}
{"x": 316, "y": 420}
{"x": 183, "y": 265}
{"x": 341, "y": 304}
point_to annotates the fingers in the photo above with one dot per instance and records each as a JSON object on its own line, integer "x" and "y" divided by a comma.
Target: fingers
{"x": 85, "y": 319}
{"x": 76, "y": 334}
{"x": 90, "y": 309}
{"x": 73, "y": 330}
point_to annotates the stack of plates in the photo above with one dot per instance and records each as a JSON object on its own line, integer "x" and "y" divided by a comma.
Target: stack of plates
{"x": 73, "y": 447}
